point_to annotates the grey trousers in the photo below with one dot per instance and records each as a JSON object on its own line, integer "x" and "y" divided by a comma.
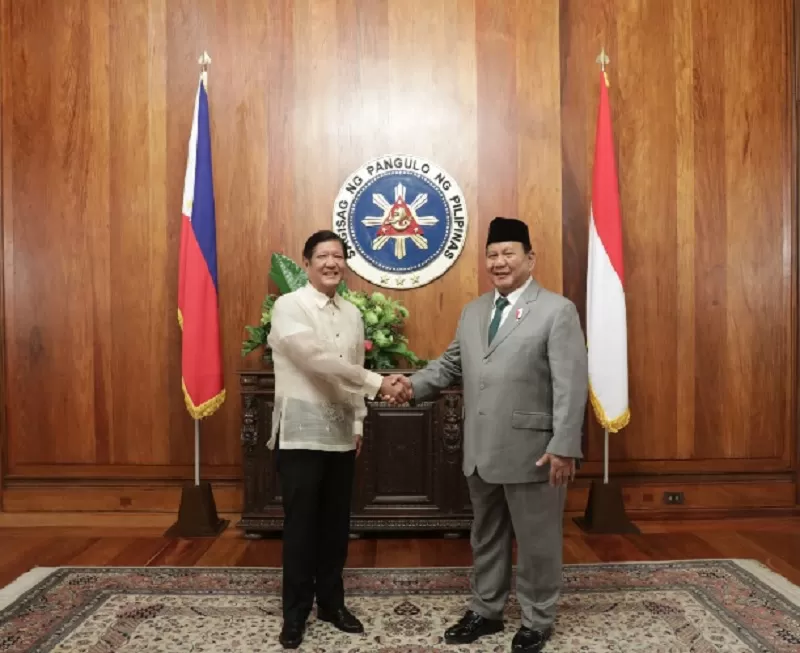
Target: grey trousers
{"x": 535, "y": 511}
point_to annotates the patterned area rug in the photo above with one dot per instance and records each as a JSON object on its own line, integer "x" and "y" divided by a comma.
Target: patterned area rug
{"x": 698, "y": 606}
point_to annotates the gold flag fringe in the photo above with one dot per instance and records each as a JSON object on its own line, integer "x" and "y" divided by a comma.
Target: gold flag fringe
{"x": 614, "y": 424}
{"x": 207, "y": 408}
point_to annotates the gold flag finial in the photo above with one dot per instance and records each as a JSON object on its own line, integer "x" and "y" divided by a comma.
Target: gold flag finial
{"x": 204, "y": 60}
{"x": 603, "y": 60}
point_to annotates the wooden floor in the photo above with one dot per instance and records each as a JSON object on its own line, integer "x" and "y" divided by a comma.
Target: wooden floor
{"x": 44, "y": 540}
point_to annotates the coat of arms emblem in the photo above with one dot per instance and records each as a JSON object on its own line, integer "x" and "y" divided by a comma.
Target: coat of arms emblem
{"x": 404, "y": 220}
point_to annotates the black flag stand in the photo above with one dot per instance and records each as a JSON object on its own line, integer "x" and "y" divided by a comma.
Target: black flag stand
{"x": 197, "y": 515}
{"x": 605, "y": 509}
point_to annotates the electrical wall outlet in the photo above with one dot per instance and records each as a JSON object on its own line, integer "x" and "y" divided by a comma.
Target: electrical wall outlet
{"x": 673, "y": 498}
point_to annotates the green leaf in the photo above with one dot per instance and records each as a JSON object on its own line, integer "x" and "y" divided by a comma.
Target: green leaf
{"x": 257, "y": 338}
{"x": 286, "y": 274}
{"x": 383, "y": 362}
{"x": 400, "y": 349}
{"x": 357, "y": 299}
{"x": 268, "y": 303}
{"x": 397, "y": 348}
{"x": 249, "y": 346}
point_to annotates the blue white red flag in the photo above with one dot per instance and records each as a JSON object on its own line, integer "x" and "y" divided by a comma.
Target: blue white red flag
{"x": 198, "y": 291}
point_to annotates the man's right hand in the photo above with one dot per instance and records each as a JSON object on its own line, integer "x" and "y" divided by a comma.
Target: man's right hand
{"x": 396, "y": 389}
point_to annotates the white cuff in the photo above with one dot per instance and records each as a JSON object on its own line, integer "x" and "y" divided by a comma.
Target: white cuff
{"x": 372, "y": 384}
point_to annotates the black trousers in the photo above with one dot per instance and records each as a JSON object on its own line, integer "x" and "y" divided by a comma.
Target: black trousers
{"x": 316, "y": 487}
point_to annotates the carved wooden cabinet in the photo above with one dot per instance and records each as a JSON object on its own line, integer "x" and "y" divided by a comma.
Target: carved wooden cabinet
{"x": 408, "y": 476}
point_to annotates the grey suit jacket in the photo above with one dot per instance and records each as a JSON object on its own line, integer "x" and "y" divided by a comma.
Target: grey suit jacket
{"x": 524, "y": 395}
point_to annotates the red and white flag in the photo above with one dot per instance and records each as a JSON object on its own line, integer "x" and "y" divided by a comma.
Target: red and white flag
{"x": 606, "y": 321}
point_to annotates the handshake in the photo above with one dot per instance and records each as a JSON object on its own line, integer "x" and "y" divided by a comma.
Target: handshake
{"x": 396, "y": 389}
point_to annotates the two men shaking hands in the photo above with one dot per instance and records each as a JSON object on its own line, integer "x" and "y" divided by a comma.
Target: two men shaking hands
{"x": 400, "y": 391}
{"x": 519, "y": 356}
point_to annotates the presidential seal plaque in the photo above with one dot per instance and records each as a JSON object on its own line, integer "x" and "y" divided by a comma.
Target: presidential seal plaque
{"x": 404, "y": 220}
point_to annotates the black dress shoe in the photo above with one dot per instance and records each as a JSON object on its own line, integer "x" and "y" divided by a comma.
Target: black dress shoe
{"x": 292, "y": 634}
{"x": 528, "y": 640}
{"x": 471, "y": 627}
{"x": 342, "y": 619}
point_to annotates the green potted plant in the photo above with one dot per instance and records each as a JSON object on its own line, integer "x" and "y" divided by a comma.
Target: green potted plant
{"x": 384, "y": 319}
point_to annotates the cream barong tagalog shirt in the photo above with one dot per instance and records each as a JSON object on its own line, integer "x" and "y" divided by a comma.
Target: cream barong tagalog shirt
{"x": 317, "y": 347}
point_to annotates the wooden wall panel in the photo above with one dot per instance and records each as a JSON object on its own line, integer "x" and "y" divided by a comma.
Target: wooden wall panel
{"x": 795, "y": 236}
{"x": 519, "y": 152}
{"x": 539, "y": 135}
{"x": 434, "y": 105}
{"x": 643, "y": 500}
{"x": 4, "y": 167}
{"x": 94, "y": 126}
{"x": 51, "y": 332}
{"x": 301, "y": 94}
{"x": 647, "y": 158}
{"x": 703, "y": 134}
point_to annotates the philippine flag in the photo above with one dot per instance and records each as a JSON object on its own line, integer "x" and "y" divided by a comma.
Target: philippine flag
{"x": 606, "y": 322}
{"x": 198, "y": 299}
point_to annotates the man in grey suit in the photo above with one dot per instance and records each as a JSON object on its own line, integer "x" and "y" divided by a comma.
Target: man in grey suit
{"x": 520, "y": 355}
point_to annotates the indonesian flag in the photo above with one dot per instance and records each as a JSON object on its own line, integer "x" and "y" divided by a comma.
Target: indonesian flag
{"x": 606, "y": 324}
{"x": 198, "y": 311}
